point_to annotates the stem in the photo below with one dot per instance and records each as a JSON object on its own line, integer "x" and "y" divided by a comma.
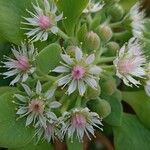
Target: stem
{"x": 120, "y": 34}
{"x": 63, "y": 35}
{"x": 106, "y": 59}
{"x": 89, "y": 19}
{"x": 116, "y": 24}
{"x": 78, "y": 102}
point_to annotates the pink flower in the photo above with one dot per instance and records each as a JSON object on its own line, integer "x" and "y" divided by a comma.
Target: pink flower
{"x": 130, "y": 63}
{"x": 42, "y": 22}
{"x": 78, "y": 72}
{"x": 22, "y": 65}
{"x": 80, "y": 122}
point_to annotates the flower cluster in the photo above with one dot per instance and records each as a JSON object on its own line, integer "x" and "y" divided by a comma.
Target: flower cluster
{"x": 57, "y": 103}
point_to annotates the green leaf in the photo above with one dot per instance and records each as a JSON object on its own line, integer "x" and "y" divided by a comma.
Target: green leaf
{"x": 48, "y": 58}
{"x": 140, "y": 102}
{"x": 75, "y": 145}
{"x": 8, "y": 89}
{"x": 82, "y": 32}
{"x": 11, "y": 13}
{"x": 131, "y": 135}
{"x": 72, "y": 9}
{"x": 13, "y": 133}
{"x": 115, "y": 117}
{"x": 39, "y": 146}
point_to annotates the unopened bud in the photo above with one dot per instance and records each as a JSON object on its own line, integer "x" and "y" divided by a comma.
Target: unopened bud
{"x": 100, "y": 106}
{"x": 93, "y": 93}
{"x": 105, "y": 32}
{"x": 116, "y": 12}
{"x": 109, "y": 86}
{"x": 71, "y": 50}
{"x": 92, "y": 41}
{"x": 112, "y": 47}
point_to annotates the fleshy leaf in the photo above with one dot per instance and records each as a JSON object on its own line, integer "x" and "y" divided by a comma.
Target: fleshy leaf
{"x": 48, "y": 58}
{"x": 71, "y": 9}
{"x": 13, "y": 133}
{"x": 140, "y": 103}
{"x": 131, "y": 135}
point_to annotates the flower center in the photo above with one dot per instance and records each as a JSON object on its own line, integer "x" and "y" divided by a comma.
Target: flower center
{"x": 44, "y": 22}
{"x": 78, "y": 121}
{"x": 36, "y": 106}
{"x": 78, "y": 72}
{"x": 50, "y": 129}
{"x": 126, "y": 66}
{"x": 22, "y": 63}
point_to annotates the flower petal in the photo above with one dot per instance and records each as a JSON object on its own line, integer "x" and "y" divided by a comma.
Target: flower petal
{"x": 64, "y": 80}
{"x": 38, "y": 87}
{"x": 72, "y": 87}
{"x": 81, "y": 87}
{"x": 91, "y": 82}
{"x": 61, "y": 69}
{"x": 90, "y": 59}
{"x": 78, "y": 54}
{"x": 67, "y": 59}
{"x": 55, "y": 104}
{"x": 95, "y": 70}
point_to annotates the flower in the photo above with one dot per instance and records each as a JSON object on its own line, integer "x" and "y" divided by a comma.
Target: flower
{"x": 80, "y": 121}
{"x": 22, "y": 66}
{"x": 42, "y": 22}
{"x": 36, "y": 106}
{"x": 137, "y": 16}
{"x": 51, "y": 131}
{"x": 130, "y": 62}
{"x": 78, "y": 71}
{"x": 93, "y": 7}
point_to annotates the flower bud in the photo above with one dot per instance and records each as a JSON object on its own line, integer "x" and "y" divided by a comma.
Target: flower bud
{"x": 113, "y": 47}
{"x": 71, "y": 50}
{"x": 92, "y": 41}
{"x": 100, "y": 106}
{"x": 105, "y": 32}
{"x": 109, "y": 86}
{"x": 93, "y": 93}
{"x": 116, "y": 12}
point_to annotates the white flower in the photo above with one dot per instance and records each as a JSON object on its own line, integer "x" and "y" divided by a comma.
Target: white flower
{"x": 22, "y": 65}
{"x": 78, "y": 71}
{"x": 93, "y": 7}
{"x": 80, "y": 122}
{"x": 137, "y": 16}
{"x": 36, "y": 106}
{"x": 130, "y": 62}
{"x": 42, "y": 21}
